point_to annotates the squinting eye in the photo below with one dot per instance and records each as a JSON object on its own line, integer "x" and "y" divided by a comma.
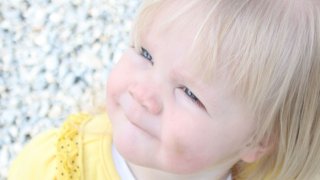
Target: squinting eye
{"x": 192, "y": 96}
{"x": 146, "y": 54}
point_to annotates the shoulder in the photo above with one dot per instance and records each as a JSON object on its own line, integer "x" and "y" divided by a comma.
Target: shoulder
{"x": 62, "y": 152}
{"x": 38, "y": 155}
{"x": 97, "y": 149}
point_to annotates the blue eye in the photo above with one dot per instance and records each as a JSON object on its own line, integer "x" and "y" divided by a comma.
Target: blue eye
{"x": 188, "y": 92}
{"x": 146, "y": 54}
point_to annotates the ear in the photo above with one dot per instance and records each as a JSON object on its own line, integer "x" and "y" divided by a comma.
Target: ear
{"x": 256, "y": 152}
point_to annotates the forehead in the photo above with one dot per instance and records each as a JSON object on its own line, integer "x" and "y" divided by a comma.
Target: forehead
{"x": 172, "y": 34}
{"x": 170, "y": 19}
{"x": 173, "y": 29}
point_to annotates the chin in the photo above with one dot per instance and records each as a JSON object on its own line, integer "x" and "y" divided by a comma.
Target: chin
{"x": 152, "y": 161}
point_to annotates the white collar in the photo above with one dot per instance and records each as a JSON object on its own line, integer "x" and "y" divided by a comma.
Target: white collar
{"x": 229, "y": 177}
{"x": 123, "y": 168}
{"x": 121, "y": 165}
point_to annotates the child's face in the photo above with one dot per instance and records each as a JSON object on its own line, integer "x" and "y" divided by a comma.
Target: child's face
{"x": 167, "y": 118}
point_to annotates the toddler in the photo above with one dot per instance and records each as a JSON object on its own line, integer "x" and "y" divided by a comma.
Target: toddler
{"x": 210, "y": 89}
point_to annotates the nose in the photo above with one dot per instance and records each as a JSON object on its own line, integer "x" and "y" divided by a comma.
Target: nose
{"x": 147, "y": 97}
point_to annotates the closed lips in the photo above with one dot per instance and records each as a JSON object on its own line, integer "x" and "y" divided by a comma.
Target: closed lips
{"x": 133, "y": 112}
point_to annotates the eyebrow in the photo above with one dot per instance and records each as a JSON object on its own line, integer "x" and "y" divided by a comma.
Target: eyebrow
{"x": 186, "y": 79}
{"x": 177, "y": 75}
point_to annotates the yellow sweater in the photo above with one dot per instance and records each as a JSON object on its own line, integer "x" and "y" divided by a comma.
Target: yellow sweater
{"x": 80, "y": 149}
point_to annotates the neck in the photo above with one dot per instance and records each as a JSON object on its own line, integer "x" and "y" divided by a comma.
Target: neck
{"x": 142, "y": 173}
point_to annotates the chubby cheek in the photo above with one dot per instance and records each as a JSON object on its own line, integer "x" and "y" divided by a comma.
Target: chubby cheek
{"x": 181, "y": 157}
{"x": 184, "y": 144}
{"x": 112, "y": 89}
{"x": 114, "y": 83}
{"x": 117, "y": 83}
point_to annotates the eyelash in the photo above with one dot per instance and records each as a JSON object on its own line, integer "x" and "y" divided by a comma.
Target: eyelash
{"x": 144, "y": 53}
{"x": 194, "y": 98}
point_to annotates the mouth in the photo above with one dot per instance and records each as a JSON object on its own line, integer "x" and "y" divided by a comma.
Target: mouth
{"x": 141, "y": 129}
{"x": 133, "y": 114}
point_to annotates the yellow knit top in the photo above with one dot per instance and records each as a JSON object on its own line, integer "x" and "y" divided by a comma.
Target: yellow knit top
{"x": 80, "y": 149}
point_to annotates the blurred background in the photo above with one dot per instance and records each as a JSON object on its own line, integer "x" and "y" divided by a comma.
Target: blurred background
{"x": 55, "y": 56}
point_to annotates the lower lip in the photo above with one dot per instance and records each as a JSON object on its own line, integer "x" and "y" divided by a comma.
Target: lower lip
{"x": 127, "y": 115}
{"x": 141, "y": 129}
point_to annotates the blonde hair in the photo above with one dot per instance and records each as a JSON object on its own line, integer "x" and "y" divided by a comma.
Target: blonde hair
{"x": 269, "y": 50}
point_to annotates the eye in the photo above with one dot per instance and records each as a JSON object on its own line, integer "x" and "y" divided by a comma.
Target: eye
{"x": 146, "y": 54}
{"x": 188, "y": 92}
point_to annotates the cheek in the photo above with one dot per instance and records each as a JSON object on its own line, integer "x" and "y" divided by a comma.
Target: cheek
{"x": 181, "y": 153}
{"x": 185, "y": 129}
{"x": 116, "y": 84}
{"x": 112, "y": 89}
{"x": 117, "y": 80}
{"x": 189, "y": 137}
{"x": 183, "y": 144}
{"x": 113, "y": 83}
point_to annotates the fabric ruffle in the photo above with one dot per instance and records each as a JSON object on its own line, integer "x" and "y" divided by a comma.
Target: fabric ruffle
{"x": 69, "y": 147}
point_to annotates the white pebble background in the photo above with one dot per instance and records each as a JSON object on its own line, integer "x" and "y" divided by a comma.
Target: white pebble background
{"x": 55, "y": 56}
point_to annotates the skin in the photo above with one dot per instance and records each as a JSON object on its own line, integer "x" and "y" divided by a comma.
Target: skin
{"x": 159, "y": 127}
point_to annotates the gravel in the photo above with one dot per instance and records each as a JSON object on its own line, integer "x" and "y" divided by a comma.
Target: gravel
{"x": 54, "y": 60}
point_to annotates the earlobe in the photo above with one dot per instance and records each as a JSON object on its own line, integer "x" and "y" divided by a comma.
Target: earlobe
{"x": 252, "y": 155}
{"x": 255, "y": 153}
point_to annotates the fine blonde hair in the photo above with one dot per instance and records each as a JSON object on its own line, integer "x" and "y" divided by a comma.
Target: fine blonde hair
{"x": 270, "y": 51}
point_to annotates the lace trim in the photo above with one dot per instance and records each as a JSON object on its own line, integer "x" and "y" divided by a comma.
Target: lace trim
{"x": 68, "y": 161}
